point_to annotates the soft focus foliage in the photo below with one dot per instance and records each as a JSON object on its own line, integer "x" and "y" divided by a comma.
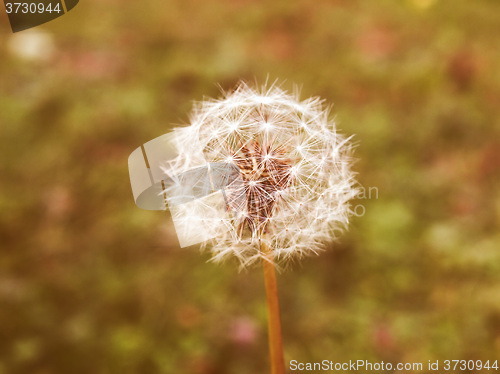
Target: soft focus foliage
{"x": 89, "y": 283}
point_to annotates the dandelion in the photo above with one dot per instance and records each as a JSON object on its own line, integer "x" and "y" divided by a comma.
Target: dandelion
{"x": 259, "y": 175}
{"x": 294, "y": 180}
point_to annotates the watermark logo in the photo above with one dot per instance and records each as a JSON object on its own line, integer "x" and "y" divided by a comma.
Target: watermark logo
{"x": 25, "y": 14}
{"x": 364, "y": 193}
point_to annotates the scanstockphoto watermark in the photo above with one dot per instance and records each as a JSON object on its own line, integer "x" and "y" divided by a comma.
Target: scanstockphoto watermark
{"x": 366, "y": 366}
{"x": 354, "y": 365}
{"x": 364, "y": 193}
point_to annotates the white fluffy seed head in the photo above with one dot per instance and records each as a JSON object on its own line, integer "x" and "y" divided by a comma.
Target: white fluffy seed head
{"x": 296, "y": 178}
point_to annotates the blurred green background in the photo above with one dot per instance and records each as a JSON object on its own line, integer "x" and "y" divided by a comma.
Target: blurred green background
{"x": 89, "y": 283}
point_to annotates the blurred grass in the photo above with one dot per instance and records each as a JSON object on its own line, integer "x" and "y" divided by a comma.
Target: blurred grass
{"x": 91, "y": 284}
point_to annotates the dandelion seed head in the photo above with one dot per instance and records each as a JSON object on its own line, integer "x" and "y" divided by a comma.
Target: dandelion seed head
{"x": 294, "y": 171}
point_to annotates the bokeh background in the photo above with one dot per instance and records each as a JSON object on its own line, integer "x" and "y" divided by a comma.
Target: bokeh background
{"x": 89, "y": 283}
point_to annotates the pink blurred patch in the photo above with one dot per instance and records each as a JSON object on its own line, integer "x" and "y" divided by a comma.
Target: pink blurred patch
{"x": 489, "y": 163}
{"x": 91, "y": 65}
{"x": 243, "y": 331}
{"x": 201, "y": 365}
{"x": 376, "y": 43}
{"x": 188, "y": 316}
{"x": 464, "y": 66}
{"x": 58, "y": 202}
{"x": 382, "y": 338}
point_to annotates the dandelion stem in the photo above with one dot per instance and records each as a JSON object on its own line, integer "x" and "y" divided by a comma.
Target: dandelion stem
{"x": 273, "y": 312}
